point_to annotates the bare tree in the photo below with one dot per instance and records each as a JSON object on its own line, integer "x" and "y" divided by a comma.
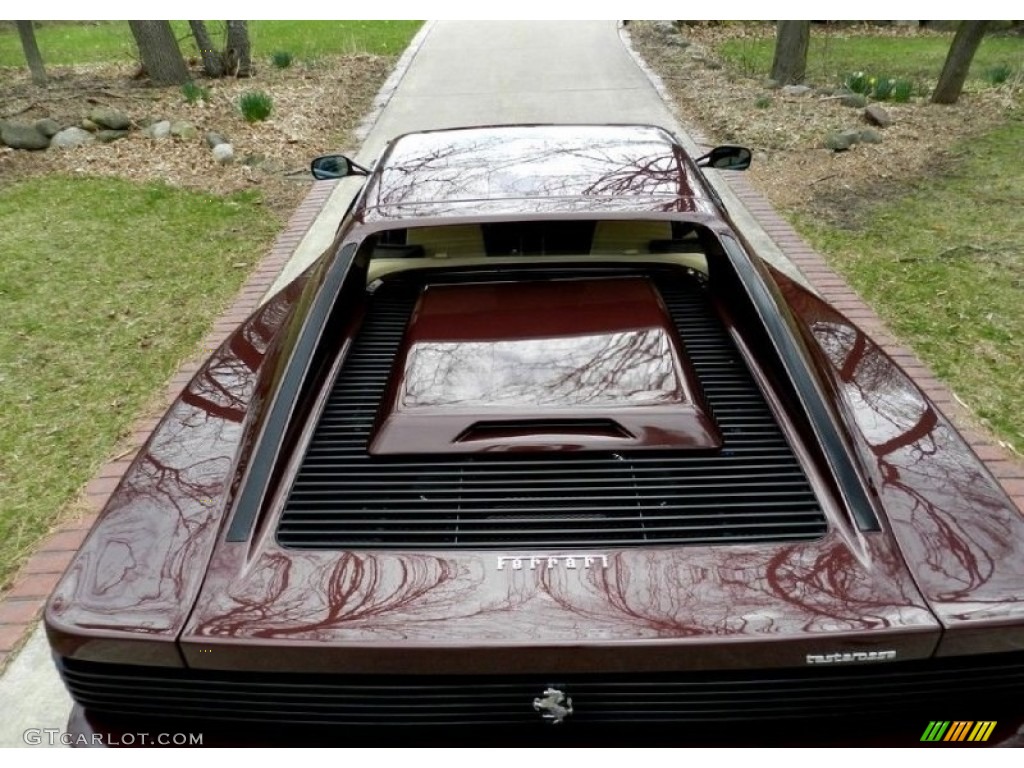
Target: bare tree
{"x": 790, "y": 62}
{"x": 237, "y": 55}
{"x": 158, "y": 48}
{"x": 27, "y": 33}
{"x": 213, "y": 62}
{"x": 954, "y": 72}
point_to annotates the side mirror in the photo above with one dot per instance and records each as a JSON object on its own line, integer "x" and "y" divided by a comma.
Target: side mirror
{"x": 335, "y": 167}
{"x": 726, "y": 158}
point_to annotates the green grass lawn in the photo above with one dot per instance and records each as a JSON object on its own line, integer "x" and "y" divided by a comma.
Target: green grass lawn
{"x": 944, "y": 266}
{"x": 66, "y": 43}
{"x": 942, "y": 261}
{"x": 832, "y": 56}
{"x": 105, "y": 286}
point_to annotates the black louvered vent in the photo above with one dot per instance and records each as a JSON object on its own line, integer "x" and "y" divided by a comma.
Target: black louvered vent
{"x": 754, "y": 490}
{"x": 973, "y": 684}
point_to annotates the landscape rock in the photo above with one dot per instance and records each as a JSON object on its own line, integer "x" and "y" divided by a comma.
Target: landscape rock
{"x": 214, "y": 139}
{"x": 840, "y": 141}
{"x": 159, "y": 130}
{"x": 72, "y": 137}
{"x": 870, "y": 136}
{"x": 796, "y": 90}
{"x": 23, "y": 136}
{"x": 857, "y": 100}
{"x": 223, "y": 153}
{"x": 111, "y": 119}
{"x": 89, "y": 125}
{"x": 183, "y": 129}
{"x": 665, "y": 28}
{"x": 876, "y": 115}
{"x": 108, "y": 136}
{"x": 48, "y": 126}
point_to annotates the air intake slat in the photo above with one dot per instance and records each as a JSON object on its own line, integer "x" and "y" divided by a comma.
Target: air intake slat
{"x": 550, "y": 504}
{"x": 490, "y": 485}
{"x": 752, "y": 490}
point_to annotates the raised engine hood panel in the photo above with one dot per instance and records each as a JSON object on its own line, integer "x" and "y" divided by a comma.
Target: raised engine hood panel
{"x": 545, "y": 365}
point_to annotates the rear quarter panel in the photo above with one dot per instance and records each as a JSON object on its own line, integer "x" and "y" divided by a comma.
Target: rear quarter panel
{"x": 961, "y": 535}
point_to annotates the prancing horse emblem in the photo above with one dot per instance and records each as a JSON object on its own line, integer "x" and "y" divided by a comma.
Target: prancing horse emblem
{"x": 554, "y": 707}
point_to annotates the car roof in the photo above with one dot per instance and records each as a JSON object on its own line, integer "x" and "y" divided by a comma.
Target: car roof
{"x": 532, "y": 170}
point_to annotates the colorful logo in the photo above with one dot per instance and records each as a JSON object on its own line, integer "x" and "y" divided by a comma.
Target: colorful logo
{"x": 958, "y": 730}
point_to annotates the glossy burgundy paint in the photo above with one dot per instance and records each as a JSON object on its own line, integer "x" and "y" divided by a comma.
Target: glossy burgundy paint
{"x": 551, "y": 162}
{"x": 506, "y": 172}
{"x": 157, "y": 583}
{"x": 953, "y": 523}
{"x": 767, "y": 605}
{"x": 398, "y": 612}
{"x": 544, "y": 365}
{"x": 131, "y": 587}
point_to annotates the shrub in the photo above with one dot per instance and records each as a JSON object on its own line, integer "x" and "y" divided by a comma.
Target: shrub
{"x": 194, "y": 93}
{"x": 998, "y": 75}
{"x": 256, "y": 105}
{"x": 763, "y": 102}
{"x": 883, "y": 88}
{"x": 281, "y": 59}
{"x": 902, "y": 90}
{"x": 880, "y": 87}
{"x": 857, "y": 82}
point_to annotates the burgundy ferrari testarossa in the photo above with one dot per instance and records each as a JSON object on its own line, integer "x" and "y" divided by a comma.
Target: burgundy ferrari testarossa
{"x": 540, "y": 444}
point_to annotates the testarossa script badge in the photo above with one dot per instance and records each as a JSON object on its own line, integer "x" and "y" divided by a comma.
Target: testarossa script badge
{"x": 850, "y": 657}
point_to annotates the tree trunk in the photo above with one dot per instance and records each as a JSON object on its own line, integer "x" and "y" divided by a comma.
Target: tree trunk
{"x": 790, "y": 63}
{"x": 237, "y": 56}
{"x": 213, "y": 63}
{"x": 27, "y": 33}
{"x": 158, "y": 48}
{"x": 958, "y": 61}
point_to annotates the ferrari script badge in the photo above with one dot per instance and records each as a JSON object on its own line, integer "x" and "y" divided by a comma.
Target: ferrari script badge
{"x": 554, "y": 707}
{"x": 545, "y": 562}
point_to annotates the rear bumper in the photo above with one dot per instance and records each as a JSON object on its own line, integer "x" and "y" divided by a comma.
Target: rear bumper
{"x": 897, "y": 697}
{"x": 86, "y": 729}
